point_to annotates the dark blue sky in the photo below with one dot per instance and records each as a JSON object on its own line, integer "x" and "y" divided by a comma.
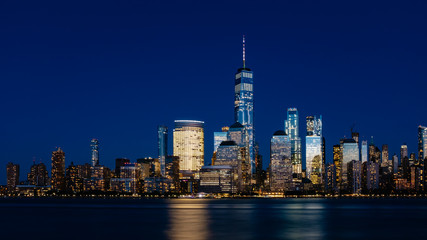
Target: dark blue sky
{"x": 114, "y": 70}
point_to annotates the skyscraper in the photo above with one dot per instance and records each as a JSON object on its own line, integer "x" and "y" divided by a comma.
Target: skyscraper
{"x": 38, "y": 175}
{"x": 314, "y": 155}
{"x": 337, "y": 152}
{"x": 58, "y": 170}
{"x": 364, "y": 151}
{"x": 244, "y": 105}
{"x": 188, "y": 144}
{"x": 12, "y": 171}
{"x": 384, "y": 154}
{"x": 350, "y": 152}
{"x": 229, "y": 154}
{"x": 292, "y": 130}
{"x": 354, "y": 176}
{"x": 422, "y": 142}
{"x": 162, "y": 137}
{"x": 94, "y": 144}
{"x": 280, "y": 162}
{"x": 219, "y": 137}
{"x": 403, "y": 151}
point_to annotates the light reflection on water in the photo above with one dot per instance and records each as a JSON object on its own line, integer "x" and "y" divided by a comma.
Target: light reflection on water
{"x": 215, "y": 218}
{"x": 195, "y": 219}
{"x": 188, "y": 221}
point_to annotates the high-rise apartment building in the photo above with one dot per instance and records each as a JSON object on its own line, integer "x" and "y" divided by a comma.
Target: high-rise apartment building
{"x": 337, "y": 158}
{"x": 38, "y": 175}
{"x": 12, "y": 172}
{"x": 58, "y": 170}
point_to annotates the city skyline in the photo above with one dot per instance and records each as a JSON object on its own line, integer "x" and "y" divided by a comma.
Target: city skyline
{"x": 32, "y": 129}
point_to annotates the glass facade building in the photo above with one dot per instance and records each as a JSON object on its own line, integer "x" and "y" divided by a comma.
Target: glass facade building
{"x": 162, "y": 138}
{"x": 292, "y": 130}
{"x": 188, "y": 144}
{"x": 350, "y": 152}
{"x": 229, "y": 154}
{"x": 364, "y": 152}
{"x": 244, "y": 108}
{"x": 94, "y": 145}
{"x": 314, "y": 150}
{"x": 219, "y": 137}
{"x": 422, "y": 142}
{"x": 280, "y": 162}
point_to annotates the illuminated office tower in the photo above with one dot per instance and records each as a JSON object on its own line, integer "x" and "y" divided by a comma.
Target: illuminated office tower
{"x": 292, "y": 130}
{"x": 280, "y": 162}
{"x": 364, "y": 151}
{"x": 229, "y": 154}
{"x": 354, "y": 176}
{"x": 314, "y": 155}
{"x": 337, "y": 157}
{"x": 58, "y": 170}
{"x": 403, "y": 151}
{"x": 188, "y": 144}
{"x": 422, "y": 142}
{"x": 94, "y": 144}
{"x": 72, "y": 180}
{"x": 162, "y": 138}
{"x": 244, "y": 105}
{"x": 350, "y": 152}
{"x": 12, "y": 172}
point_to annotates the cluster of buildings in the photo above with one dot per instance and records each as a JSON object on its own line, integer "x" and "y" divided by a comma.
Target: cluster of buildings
{"x": 236, "y": 167}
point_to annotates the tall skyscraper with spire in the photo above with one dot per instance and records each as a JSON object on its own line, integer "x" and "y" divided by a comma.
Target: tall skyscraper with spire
{"x": 244, "y": 105}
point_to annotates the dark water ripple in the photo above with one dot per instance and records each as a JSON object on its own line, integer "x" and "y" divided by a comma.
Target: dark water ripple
{"x": 213, "y": 219}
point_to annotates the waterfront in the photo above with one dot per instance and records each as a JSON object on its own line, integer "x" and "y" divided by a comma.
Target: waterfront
{"x": 213, "y": 219}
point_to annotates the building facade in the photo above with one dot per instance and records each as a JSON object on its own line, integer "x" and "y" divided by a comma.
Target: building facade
{"x": 162, "y": 138}
{"x": 280, "y": 162}
{"x": 292, "y": 130}
{"x": 188, "y": 144}
{"x": 314, "y": 153}
{"x": 94, "y": 145}
{"x": 244, "y": 105}
{"x": 58, "y": 170}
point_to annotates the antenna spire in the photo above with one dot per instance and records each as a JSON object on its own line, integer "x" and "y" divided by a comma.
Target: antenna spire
{"x": 244, "y": 53}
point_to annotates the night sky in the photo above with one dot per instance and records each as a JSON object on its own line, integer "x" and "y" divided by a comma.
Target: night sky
{"x": 114, "y": 70}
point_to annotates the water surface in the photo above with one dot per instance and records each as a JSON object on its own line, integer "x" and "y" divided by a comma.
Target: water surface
{"x": 213, "y": 218}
